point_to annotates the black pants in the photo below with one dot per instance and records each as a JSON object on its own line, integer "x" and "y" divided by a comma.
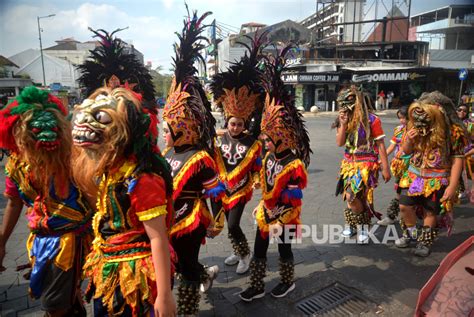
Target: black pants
{"x": 261, "y": 247}
{"x": 233, "y": 217}
{"x": 187, "y": 248}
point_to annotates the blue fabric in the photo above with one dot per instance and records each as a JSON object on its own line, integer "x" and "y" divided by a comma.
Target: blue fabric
{"x": 131, "y": 185}
{"x": 258, "y": 161}
{"x": 295, "y": 193}
{"x": 57, "y": 223}
{"x": 44, "y": 250}
{"x": 215, "y": 191}
{"x": 71, "y": 201}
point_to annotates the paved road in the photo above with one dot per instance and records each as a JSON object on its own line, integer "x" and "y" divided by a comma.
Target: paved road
{"x": 386, "y": 277}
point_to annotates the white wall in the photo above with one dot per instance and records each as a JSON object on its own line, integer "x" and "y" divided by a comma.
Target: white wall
{"x": 56, "y": 71}
{"x": 349, "y": 8}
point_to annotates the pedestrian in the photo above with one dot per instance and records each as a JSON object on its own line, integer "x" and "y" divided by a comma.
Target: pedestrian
{"x": 283, "y": 178}
{"x": 237, "y": 153}
{"x": 35, "y": 130}
{"x": 189, "y": 133}
{"x": 360, "y": 132}
{"x": 390, "y": 96}
{"x": 398, "y": 165}
{"x": 381, "y": 100}
{"x": 436, "y": 139}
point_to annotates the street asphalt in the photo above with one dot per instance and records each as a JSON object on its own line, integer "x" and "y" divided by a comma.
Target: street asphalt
{"x": 386, "y": 278}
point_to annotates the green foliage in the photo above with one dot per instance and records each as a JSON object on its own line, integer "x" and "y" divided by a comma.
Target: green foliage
{"x": 161, "y": 82}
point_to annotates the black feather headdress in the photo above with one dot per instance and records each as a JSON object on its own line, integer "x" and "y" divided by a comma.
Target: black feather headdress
{"x": 240, "y": 89}
{"x": 110, "y": 60}
{"x": 187, "y": 110}
{"x": 280, "y": 108}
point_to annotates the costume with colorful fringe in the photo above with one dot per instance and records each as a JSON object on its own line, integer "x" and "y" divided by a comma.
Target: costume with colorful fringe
{"x": 121, "y": 256}
{"x": 58, "y": 216}
{"x": 360, "y": 166}
{"x": 429, "y": 171}
{"x": 60, "y": 228}
{"x": 194, "y": 179}
{"x": 469, "y": 124}
{"x": 238, "y": 162}
{"x": 282, "y": 184}
{"x": 400, "y": 161}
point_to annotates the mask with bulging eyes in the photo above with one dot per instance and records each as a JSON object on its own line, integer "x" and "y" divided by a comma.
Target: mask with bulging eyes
{"x": 346, "y": 100}
{"x": 92, "y": 119}
{"x": 421, "y": 121}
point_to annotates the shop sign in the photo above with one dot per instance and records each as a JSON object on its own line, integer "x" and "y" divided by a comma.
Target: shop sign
{"x": 293, "y": 61}
{"x": 381, "y": 77}
{"x": 310, "y": 78}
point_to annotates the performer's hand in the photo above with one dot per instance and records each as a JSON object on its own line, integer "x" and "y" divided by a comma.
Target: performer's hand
{"x": 212, "y": 232}
{"x": 386, "y": 174}
{"x": 257, "y": 185}
{"x": 343, "y": 117}
{"x": 449, "y": 194}
{"x": 165, "y": 305}
{"x": 412, "y": 134}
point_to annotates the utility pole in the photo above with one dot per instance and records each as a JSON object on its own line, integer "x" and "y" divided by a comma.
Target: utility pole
{"x": 41, "y": 45}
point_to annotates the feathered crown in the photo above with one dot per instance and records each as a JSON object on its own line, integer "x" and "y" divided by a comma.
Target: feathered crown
{"x": 281, "y": 120}
{"x": 112, "y": 64}
{"x": 240, "y": 89}
{"x": 187, "y": 110}
{"x": 30, "y": 99}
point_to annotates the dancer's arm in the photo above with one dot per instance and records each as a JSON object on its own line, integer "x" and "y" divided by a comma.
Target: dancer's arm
{"x": 456, "y": 169}
{"x": 341, "y": 129}
{"x": 156, "y": 230}
{"x": 10, "y": 219}
{"x": 384, "y": 159}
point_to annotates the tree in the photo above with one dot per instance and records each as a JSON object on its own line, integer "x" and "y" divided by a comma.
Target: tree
{"x": 162, "y": 82}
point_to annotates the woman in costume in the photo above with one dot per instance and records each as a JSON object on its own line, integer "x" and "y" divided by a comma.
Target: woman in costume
{"x": 35, "y": 130}
{"x": 283, "y": 177}
{"x": 189, "y": 130}
{"x": 119, "y": 166}
{"x": 237, "y": 153}
{"x": 463, "y": 114}
{"x": 436, "y": 140}
{"x": 398, "y": 165}
{"x": 360, "y": 132}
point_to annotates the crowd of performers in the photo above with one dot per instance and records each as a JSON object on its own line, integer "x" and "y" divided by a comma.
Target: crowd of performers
{"x": 106, "y": 205}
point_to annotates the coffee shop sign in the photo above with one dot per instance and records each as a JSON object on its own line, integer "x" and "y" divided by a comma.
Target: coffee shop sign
{"x": 385, "y": 77}
{"x": 308, "y": 78}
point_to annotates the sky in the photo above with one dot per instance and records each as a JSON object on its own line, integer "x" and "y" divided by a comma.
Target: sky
{"x": 151, "y": 23}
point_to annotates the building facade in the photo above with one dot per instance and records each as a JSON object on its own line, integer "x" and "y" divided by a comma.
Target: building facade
{"x": 449, "y": 31}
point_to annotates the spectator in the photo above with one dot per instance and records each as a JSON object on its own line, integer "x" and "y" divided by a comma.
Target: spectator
{"x": 380, "y": 101}
{"x": 390, "y": 96}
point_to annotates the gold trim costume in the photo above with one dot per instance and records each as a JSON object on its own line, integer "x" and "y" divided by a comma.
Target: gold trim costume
{"x": 240, "y": 92}
{"x": 187, "y": 114}
{"x": 35, "y": 129}
{"x": 119, "y": 166}
{"x": 283, "y": 177}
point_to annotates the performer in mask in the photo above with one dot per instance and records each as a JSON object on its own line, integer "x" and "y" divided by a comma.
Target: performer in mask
{"x": 283, "y": 177}
{"x": 360, "y": 131}
{"x": 118, "y": 165}
{"x": 436, "y": 140}
{"x": 237, "y": 153}
{"x": 189, "y": 131}
{"x": 35, "y": 130}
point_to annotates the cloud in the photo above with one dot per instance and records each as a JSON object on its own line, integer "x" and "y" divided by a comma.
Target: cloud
{"x": 152, "y": 25}
{"x": 151, "y": 35}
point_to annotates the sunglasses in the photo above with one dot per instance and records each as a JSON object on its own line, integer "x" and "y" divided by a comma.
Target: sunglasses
{"x": 462, "y": 110}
